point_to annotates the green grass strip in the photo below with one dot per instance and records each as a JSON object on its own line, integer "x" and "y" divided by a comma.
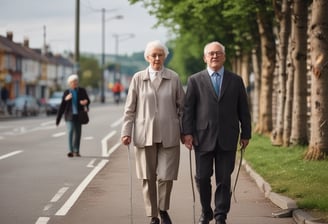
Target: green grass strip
{"x": 284, "y": 169}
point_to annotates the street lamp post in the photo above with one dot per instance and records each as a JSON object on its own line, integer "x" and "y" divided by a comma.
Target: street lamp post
{"x": 103, "y": 19}
{"x": 118, "y": 38}
{"x": 77, "y": 38}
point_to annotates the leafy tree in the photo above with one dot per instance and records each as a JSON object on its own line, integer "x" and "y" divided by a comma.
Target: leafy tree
{"x": 90, "y": 72}
{"x": 283, "y": 17}
{"x": 299, "y": 56}
{"x": 318, "y": 147}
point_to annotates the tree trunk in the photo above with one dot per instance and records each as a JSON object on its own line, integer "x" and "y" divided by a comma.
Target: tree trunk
{"x": 283, "y": 17}
{"x": 299, "y": 118}
{"x": 268, "y": 53}
{"x": 245, "y": 69}
{"x": 318, "y": 147}
{"x": 256, "y": 85}
{"x": 289, "y": 95}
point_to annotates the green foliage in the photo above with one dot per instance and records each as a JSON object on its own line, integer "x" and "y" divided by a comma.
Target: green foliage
{"x": 196, "y": 23}
{"x": 287, "y": 173}
{"x": 90, "y": 72}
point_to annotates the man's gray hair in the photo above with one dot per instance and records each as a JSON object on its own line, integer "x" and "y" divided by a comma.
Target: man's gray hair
{"x": 155, "y": 44}
{"x": 216, "y": 43}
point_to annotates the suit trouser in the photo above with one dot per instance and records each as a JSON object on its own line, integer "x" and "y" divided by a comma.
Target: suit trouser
{"x": 157, "y": 167}
{"x": 224, "y": 162}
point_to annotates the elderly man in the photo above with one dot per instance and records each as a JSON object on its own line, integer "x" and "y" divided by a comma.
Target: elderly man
{"x": 216, "y": 115}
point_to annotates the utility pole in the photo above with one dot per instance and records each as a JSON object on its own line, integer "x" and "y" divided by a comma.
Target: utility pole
{"x": 102, "y": 87}
{"x": 103, "y": 69}
{"x": 118, "y": 38}
{"x": 77, "y": 38}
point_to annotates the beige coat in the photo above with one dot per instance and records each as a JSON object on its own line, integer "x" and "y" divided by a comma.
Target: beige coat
{"x": 146, "y": 109}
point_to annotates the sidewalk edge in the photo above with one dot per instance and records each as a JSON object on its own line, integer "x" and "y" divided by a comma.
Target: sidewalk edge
{"x": 283, "y": 202}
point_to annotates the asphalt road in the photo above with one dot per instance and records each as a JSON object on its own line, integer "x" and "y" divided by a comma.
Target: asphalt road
{"x": 38, "y": 180}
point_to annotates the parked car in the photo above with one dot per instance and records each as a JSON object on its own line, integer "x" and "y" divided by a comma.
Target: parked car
{"x": 53, "y": 103}
{"x": 25, "y": 105}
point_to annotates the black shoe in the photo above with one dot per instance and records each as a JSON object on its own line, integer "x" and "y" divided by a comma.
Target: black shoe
{"x": 77, "y": 154}
{"x": 220, "y": 222}
{"x": 154, "y": 220}
{"x": 70, "y": 154}
{"x": 205, "y": 219}
{"x": 165, "y": 218}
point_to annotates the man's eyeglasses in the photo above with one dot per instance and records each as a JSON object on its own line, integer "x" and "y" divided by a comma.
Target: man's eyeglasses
{"x": 215, "y": 53}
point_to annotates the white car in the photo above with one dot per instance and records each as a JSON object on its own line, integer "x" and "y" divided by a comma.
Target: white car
{"x": 53, "y": 103}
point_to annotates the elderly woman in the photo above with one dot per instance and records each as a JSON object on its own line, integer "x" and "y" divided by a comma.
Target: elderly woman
{"x": 153, "y": 109}
{"x": 74, "y": 100}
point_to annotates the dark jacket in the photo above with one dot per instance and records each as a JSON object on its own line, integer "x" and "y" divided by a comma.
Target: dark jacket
{"x": 66, "y": 106}
{"x": 209, "y": 118}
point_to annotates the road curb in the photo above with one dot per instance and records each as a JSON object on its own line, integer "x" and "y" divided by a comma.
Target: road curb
{"x": 283, "y": 202}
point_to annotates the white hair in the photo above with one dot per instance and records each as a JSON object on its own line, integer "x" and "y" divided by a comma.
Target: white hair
{"x": 215, "y": 43}
{"x": 155, "y": 44}
{"x": 72, "y": 78}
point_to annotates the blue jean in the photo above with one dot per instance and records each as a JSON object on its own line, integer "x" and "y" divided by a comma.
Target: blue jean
{"x": 74, "y": 129}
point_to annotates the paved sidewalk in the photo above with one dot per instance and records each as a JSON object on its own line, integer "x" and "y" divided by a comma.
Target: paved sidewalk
{"x": 107, "y": 198}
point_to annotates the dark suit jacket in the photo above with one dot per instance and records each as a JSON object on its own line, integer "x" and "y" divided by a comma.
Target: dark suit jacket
{"x": 210, "y": 118}
{"x": 66, "y": 106}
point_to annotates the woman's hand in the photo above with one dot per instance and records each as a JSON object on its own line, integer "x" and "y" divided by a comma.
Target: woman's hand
{"x": 68, "y": 96}
{"x": 126, "y": 140}
{"x": 83, "y": 102}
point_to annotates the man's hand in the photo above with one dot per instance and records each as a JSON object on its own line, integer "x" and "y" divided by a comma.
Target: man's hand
{"x": 188, "y": 141}
{"x": 243, "y": 143}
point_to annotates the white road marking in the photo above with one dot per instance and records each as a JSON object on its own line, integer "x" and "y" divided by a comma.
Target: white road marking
{"x": 42, "y": 220}
{"x": 59, "y": 134}
{"x": 104, "y": 143}
{"x": 10, "y": 154}
{"x": 91, "y": 164}
{"x": 59, "y": 194}
{"x": 47, "y": 207}
{"x": 88, "y": 138}
{"x": 113, "y": 149}
{"x": 117, "y": 123}
{"x": 48, "y": 123}
{"x": 70, "y": 202}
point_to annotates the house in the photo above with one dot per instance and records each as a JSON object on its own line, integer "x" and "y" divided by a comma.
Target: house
{"x": 29, "y": 71}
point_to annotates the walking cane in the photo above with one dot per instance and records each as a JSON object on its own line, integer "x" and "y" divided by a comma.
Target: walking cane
{"x": 242, "y": 149}
{"x": 130, "y": 174}
{"x": 192, "y": 187}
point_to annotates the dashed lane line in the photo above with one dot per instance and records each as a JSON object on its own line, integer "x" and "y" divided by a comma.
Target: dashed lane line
{"x": 76, "y": 194}
{"x": 59, "y": 194}
{"x": 10, "y": 154}
{"x": 59, "y": 134}
{"x": 42, "y": 220}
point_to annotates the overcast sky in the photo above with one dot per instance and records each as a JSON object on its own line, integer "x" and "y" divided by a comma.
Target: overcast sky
{"x": 26, "y": 18}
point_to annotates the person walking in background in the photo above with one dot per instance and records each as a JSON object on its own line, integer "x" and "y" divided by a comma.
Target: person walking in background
{"x": 153, "y": 109}
{"x": 4, "y": 99}
{"x": 117, "y": 89}
{"x": 216, "y": 115}
{"x": 74, "y": 100}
